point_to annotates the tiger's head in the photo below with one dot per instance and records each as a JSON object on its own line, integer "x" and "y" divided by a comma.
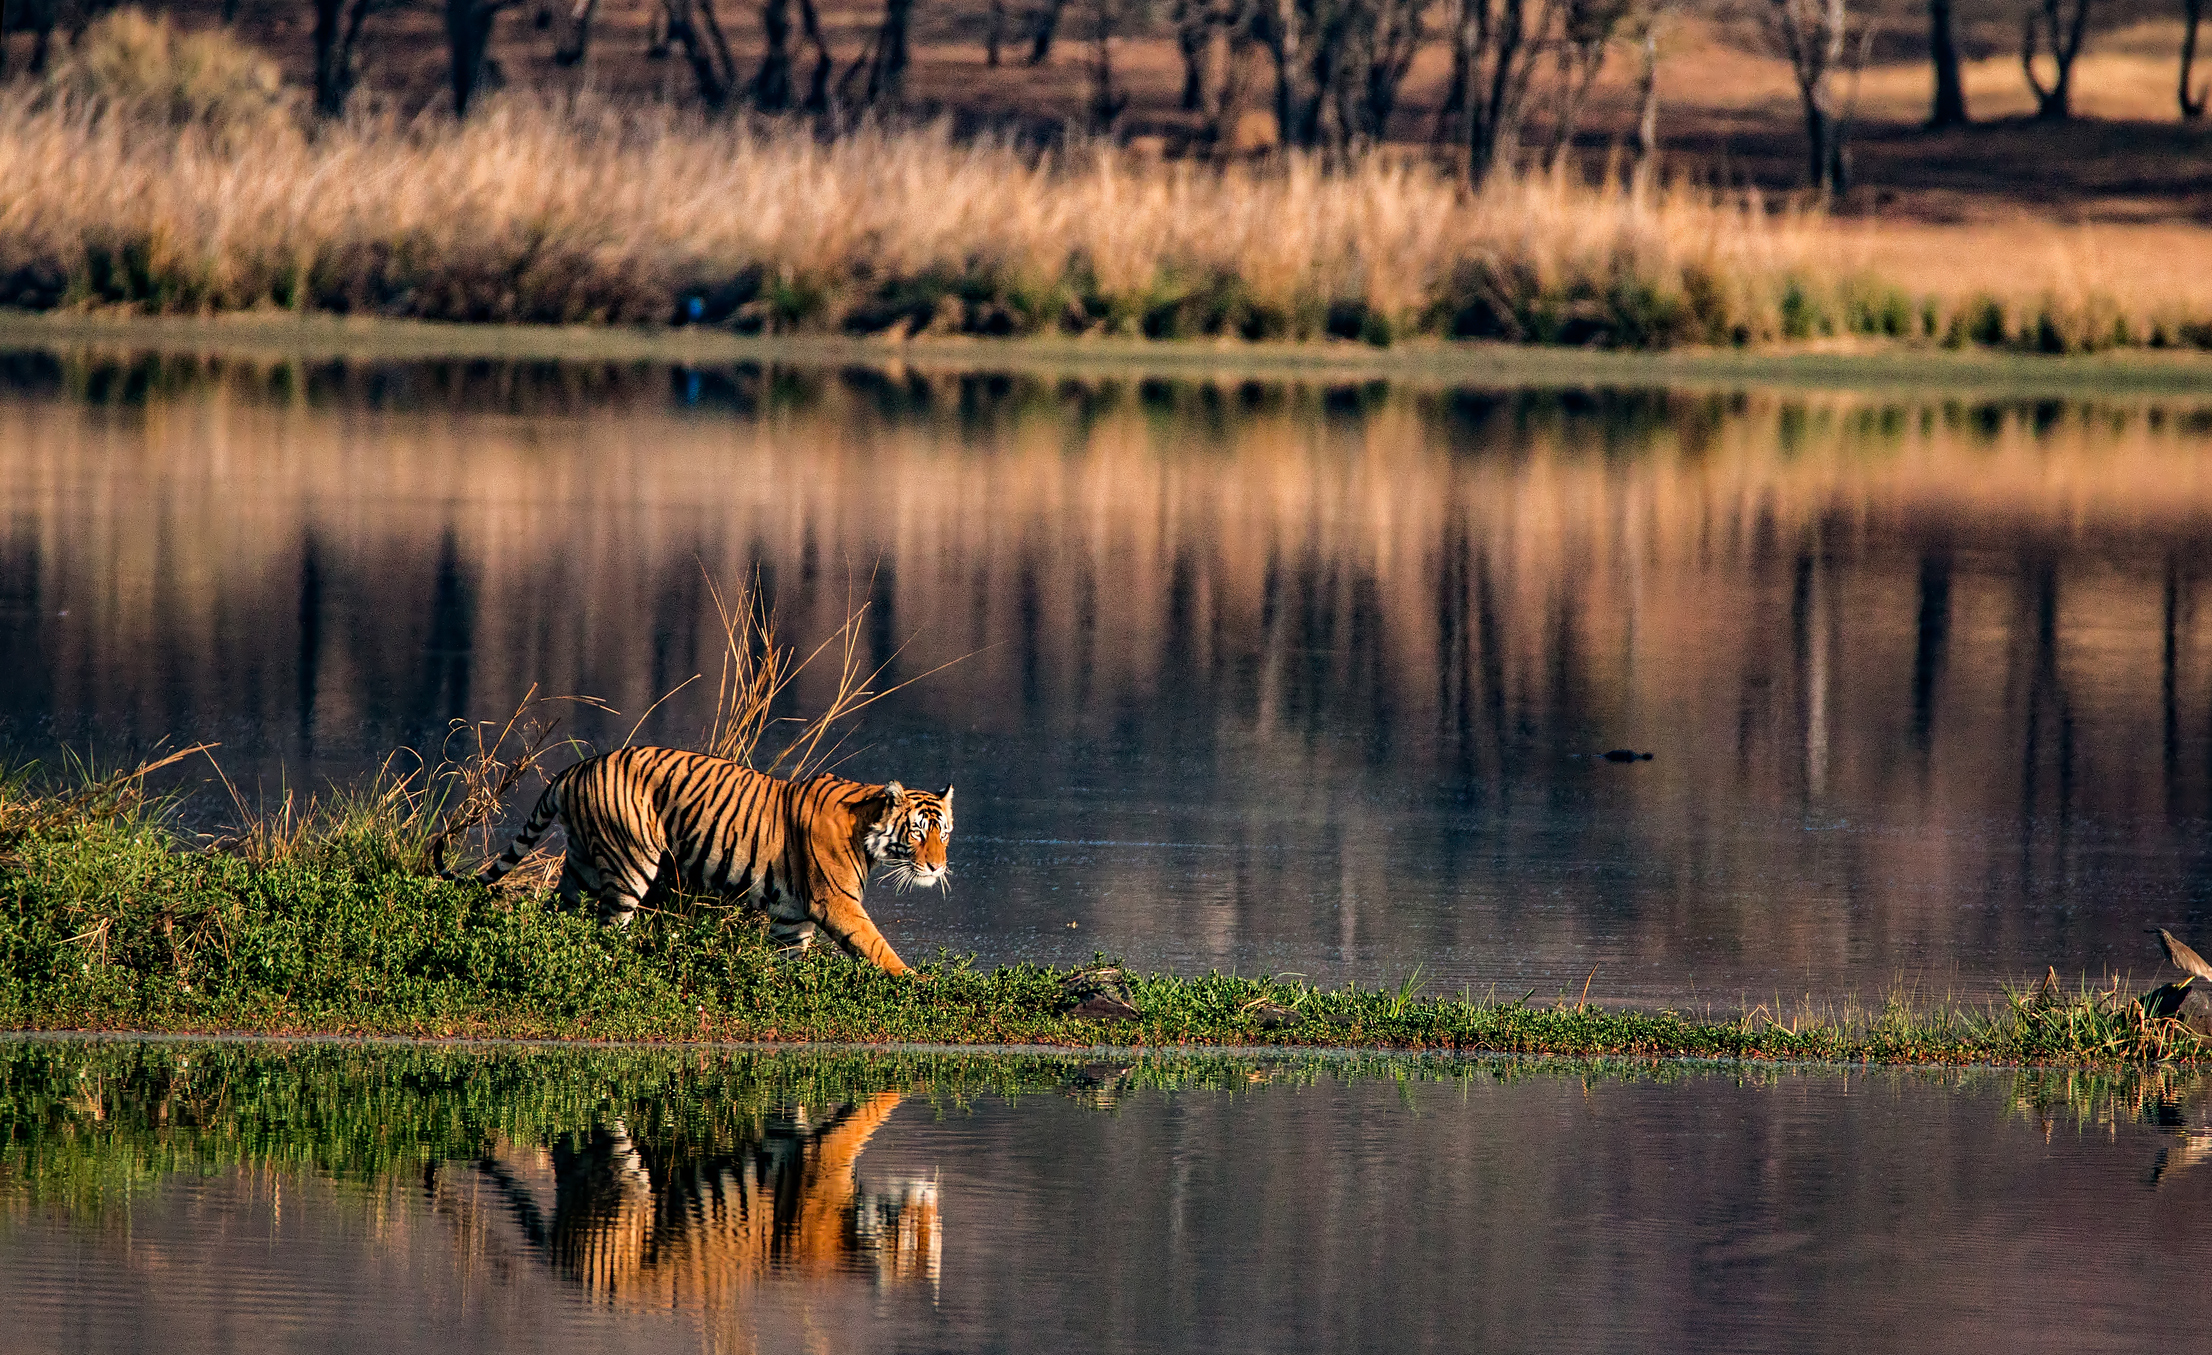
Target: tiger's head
{"x": 910, "y": 836}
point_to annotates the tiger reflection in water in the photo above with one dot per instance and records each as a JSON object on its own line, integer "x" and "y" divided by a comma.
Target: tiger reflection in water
{"x": 641, "y": 1229}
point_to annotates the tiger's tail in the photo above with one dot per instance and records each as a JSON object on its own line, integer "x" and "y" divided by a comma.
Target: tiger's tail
{"x": 549, "y": 808}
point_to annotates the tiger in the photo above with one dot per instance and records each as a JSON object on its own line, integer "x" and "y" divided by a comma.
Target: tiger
{"x": 802, "y": 850}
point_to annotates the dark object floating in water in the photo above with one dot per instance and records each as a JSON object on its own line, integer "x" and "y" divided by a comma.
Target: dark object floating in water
{"x": 1624, "y": 755}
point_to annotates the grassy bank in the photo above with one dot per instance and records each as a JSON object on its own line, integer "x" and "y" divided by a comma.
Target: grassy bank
{"x": 324, "y": 920}
{"x": 131, "y": 185}
{"x": 196, "y": 347}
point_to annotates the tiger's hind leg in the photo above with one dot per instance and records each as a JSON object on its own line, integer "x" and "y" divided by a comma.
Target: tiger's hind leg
{"x": 789, "y": 927}
{"x": 615, "y": 889}
{"x": 621, "y": 897}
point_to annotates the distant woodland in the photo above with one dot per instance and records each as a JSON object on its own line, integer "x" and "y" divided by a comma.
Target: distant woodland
{"x": 1944, "y": 110}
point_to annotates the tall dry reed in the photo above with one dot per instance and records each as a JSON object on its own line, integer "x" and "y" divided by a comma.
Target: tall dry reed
{"x": 589, "y": 214}
{"x": 597, "y": 215}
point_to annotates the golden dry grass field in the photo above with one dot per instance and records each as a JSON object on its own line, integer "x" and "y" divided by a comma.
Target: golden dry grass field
{"x": 2080, "y": 229}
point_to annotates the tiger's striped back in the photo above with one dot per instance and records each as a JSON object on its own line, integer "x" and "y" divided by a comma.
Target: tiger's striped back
{"x": 802, "y": 850}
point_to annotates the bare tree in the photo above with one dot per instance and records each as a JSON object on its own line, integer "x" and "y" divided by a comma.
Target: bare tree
{"x": 1222, "y": 71}
{"x": 1648, "y": 23}
{"x": 1338, "y": 65}
{"x": 337, "y": 30}
{"x": 1107, "y": 102}
{"x": 771, "y": 88}
{"x": 1495, "y": 47}
{"x": 1810, "y": 34}
{"x": 1943, "y": 52}
{"x": 1288, "y": 29}
{"x": 694, "y": 26}
{"x": 1194, "y": 31}
{"x": 2046, "y": 21}
{"x": 887, "y": 71}
{"x": 570, "y": 21}
{"x": 2192, "y": 103}
{"x": 1047, "y": 27}
{"x": 1586, "y": 34}
{"x": 468, "y": 32}
{"x": 1382, "y": 41}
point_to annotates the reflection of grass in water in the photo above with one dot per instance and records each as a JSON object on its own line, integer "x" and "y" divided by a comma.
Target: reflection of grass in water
{"x": 114, "y": 923}
{"x": 286, "y": 338}
{"x": 88, "y": 1123}
{"x": 83, "y": 1120}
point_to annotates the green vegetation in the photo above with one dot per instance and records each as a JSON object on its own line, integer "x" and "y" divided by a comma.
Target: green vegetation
{"x": 323, "y": 919}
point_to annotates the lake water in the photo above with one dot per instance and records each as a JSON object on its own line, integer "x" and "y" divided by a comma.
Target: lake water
{"x": 221, "y": 1197}
{"x": 1274, "y": 677}
{"x": 1289, "y": 677}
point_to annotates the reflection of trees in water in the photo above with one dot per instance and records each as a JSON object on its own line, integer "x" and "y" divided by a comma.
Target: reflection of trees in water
{"x": 663, "y": 1223}
{"x": 1289, "y": 604}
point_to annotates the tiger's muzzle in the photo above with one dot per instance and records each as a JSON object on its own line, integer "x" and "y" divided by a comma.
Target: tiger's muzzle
{"x": 922, "y": 863}
{"x": 930, "y": 865}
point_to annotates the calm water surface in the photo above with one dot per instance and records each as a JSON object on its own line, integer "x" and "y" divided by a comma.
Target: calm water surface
{"x": 257, "y": 1197}
{"x": 1266, "y": 677}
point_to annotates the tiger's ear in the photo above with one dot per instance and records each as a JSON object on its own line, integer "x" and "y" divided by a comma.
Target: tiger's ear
{"x": 897, "y": 793}
{"x": 948, "y": 799}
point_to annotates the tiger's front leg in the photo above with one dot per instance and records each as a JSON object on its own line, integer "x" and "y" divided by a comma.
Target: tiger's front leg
{"x": 837, "y": 909}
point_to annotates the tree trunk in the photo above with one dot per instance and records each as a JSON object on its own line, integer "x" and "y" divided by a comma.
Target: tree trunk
{"x": 1943, "y": 48}
{"x": 1819, "y": 128}
{"x": 1193, "y": 39}
{"x": 42, "y": 44}
{"x": 1048, "y": 27}
{"x": 468, "y": 30}
{"x": 772, "y": 85}
{"x": 693, "y": 24}
{"x": 992, "y": 28}
{"x": 887, "y": 76}
{"x": 1829, "y": 161}
{"x": 1286, "y": 42}
{"x": 575, "y": 32}
{"x": 2192, "y": 105}
{"x": 2057, "y": 102}
{"x": 1647, "y": 101}
{"x": 1451, "y": 113}
{"x": 330, "y": 74}
{"x": 1106, "y": 102}
{"x": 1496, "y": 137}
{"x": 817, "y": 91}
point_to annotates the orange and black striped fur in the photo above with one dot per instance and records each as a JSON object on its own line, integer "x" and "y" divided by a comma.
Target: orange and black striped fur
{"x": 800, "y": 849}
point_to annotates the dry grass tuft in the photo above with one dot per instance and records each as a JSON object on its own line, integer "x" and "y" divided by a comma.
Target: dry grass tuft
{"x": 575, "y": 214}
{"x": 29, "y": 810}
{"x": 139, "y": 66}
{"x": 756, "y": 670}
